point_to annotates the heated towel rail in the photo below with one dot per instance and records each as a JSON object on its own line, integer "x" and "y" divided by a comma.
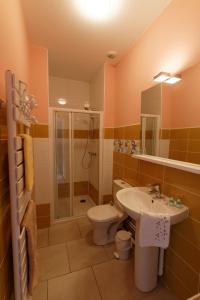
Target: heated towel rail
{"x": 19, "y": 107}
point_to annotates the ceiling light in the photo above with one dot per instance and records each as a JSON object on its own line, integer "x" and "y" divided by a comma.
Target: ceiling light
{"x": 62, "y": 101}
{"x": 98, "y": 10}
{"x": 161, "y": 77}
{"x": 173, "y": 79}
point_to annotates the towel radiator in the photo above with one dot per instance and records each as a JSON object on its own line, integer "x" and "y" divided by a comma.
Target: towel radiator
{"x": 19, "y": 107}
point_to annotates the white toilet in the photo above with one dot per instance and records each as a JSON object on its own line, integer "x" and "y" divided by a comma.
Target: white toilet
{"x": 107, "y": 218}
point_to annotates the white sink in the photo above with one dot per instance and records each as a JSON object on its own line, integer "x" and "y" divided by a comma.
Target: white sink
{"x": 148, "y": 260}
{"x": 137, "y": 200}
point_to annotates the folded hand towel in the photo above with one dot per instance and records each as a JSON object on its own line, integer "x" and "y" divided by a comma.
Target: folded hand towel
{"x": 154, "y": 230}
{"x": 28, "y": 161}
{"x": 29, "y": 222}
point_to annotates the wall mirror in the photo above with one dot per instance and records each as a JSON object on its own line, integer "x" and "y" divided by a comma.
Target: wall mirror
{"x": 170, "y": 119}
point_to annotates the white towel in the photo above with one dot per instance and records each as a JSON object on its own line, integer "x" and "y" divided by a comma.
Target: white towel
{"x": 154, "y": 230}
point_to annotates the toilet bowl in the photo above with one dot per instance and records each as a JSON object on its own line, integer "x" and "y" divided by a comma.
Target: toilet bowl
{"x": 107, "y": 218}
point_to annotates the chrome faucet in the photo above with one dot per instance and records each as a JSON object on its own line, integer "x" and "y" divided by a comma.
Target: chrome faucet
{"x": 156, "y": 190}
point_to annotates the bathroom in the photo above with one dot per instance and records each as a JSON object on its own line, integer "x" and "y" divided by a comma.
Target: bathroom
{"x": 103, "y": 115}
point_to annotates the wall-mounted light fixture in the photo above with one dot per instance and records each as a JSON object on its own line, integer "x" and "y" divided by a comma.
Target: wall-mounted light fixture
{"x": 167, "y": 78}
{"x": 174, "y": 79}
{"x": 161, "y": 77}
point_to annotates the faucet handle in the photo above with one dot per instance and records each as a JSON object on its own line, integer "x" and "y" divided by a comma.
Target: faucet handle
{"x": 154, "y": 188}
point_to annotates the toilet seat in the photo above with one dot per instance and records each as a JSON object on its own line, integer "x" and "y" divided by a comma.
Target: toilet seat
{"x": 103, "y": 213}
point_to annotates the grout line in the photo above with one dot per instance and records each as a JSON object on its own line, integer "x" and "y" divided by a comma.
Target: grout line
{"x": 96, "y": 282}
{"x": 67, "y": 251}
{"x": 47, "y": 289}
{"x": 183, "y": 260}
{"x": 177, "y": 279}
{"x": 182, "y": 189}
{"x": 189, "y": 242}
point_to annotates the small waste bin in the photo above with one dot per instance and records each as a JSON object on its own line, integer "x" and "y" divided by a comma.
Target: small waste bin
{"x": 123, "y": 244}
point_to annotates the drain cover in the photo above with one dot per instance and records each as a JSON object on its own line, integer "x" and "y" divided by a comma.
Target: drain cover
{"x": 83, "y": 200}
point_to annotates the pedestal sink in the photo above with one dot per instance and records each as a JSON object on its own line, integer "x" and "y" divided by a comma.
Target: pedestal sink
{"x": 135, "y": 201}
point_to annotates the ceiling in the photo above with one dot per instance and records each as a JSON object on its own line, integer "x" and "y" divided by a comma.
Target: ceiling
{"x": 78, "y": 46}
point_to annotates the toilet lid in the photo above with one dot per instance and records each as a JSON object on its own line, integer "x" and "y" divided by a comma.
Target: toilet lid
{"x": 102, "y": 213}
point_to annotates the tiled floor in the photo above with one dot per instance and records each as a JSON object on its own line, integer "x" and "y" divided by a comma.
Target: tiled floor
{"x": 62, "y": 206}
{"x": 71, "y": 267}
{"x": 80, "y": 208}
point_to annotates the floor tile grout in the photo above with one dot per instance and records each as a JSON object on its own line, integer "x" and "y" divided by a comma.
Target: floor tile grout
{"x": 68, "y": 257}
{"x": 107, "y": 255}
{"x": 96, "y": 282}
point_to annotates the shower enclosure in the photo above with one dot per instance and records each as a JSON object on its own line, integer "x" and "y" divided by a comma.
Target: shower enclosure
{"x": 77, "y": 150}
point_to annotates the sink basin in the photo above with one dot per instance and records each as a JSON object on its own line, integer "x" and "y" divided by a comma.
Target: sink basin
{"x": 137, "y": 200}
{"x": 148, "y": 260}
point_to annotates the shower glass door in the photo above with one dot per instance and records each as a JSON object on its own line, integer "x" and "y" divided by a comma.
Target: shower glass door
{"x": 76, "y": 156}
{"x": 85, "y": 161}
{"x": 62, "y": 205}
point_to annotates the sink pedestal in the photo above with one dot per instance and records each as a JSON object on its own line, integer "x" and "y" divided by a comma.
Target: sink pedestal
{"x": 146, "y": 265}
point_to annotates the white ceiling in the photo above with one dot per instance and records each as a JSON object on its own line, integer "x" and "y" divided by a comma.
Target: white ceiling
{"x": 78, "y": 46}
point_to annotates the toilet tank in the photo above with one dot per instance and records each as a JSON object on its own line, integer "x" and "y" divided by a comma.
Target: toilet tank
{"x": 118, "y": 185}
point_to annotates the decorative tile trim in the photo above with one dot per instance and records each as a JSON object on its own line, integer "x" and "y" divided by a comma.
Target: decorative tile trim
{"x": 127, "y": 146}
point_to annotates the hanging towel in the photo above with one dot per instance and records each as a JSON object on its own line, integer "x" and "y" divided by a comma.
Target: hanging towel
{"x": 29, "y": 222}
{"x": 154, "y": 230}
{"x": 28, "y": 161}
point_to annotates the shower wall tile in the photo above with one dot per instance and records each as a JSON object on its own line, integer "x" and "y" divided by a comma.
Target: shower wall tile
{"x": 93, "y": 193}
{"x": 81, "y": 188}
{"x": 93, "y": 171}
{"x": 80, "y": 173}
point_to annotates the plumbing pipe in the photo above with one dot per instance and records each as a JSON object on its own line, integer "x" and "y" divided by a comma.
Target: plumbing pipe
{"x": 161, "y": 262}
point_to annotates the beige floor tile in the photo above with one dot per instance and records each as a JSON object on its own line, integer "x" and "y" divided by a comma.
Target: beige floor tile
{"x": 161, "y": 293}
{"x": 40, "y": 292}
{"x": 79, "y": 285}
{"x": 61, "y": 233}
{"x": 43, "y": 238}
{"x": 83, "y": 254}
{"x": 53, "y": 261}
{"x": 110, "y": 249}
{"x": 115, "y": 280}
{"x": 85, "y": 226}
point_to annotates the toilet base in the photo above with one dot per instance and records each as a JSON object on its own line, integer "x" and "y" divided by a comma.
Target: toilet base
{"x": 101, "y": 234}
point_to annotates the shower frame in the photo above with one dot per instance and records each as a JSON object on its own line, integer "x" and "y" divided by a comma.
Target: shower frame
{"x": 52, "y": 143}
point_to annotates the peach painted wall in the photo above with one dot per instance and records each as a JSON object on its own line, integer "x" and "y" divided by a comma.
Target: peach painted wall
{"x": 109, "y": 97}
{"x": 182, "y": 101}
{"x": 14, "y": 47}
{"x": 30, "y": 64}
{"x": 171, "y": 44}
{"x": 39, "y": 81}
